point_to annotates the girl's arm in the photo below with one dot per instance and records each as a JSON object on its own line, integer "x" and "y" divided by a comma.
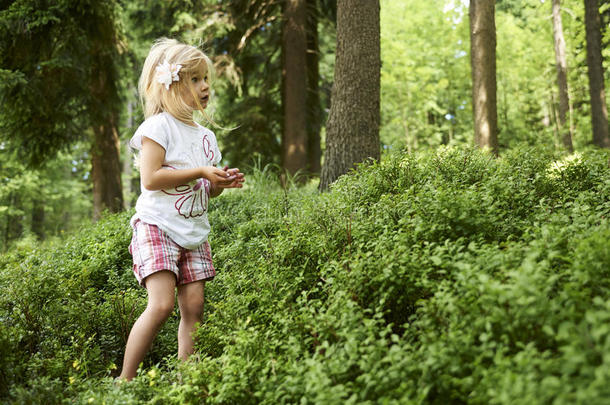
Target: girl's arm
{"x": 155, "y": 177}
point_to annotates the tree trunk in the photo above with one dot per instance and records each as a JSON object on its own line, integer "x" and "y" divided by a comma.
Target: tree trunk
{"x": 14, "y": 224}
{"x": 352, "y": 130}
{"x": 483, "y": 62}
{"x": 599, "y": 111}
{"x": 38, "y": 214}
{"x": 106, "y": 170}
{"x": 554, "y": 119}
{"x": 105, "y": 148}
{"x": 562, "y": 77}
{"x": 131, "y": 187}
{"x": 314, "y": 109}
{"x": 294, "y": 51}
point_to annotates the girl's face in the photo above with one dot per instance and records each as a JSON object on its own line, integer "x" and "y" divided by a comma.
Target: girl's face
{"x": 196, "y": 93}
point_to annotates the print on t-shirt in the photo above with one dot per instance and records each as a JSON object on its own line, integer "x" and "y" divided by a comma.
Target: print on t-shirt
{"x": 192, "y": 200}
{"x": 207, "y": 148}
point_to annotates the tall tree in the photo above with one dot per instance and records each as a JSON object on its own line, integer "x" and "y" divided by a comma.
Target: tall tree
{"x": 104, "y": 111}
{"x": 294, "y": 91}
{"x": 313, "y": 102}
{"x": 352, "y": 130}
{"x": 58, "y": 66}
{"x": 599, "y": 111}
{"x": 565, "y": 131}
{"x": 483, "y": 66}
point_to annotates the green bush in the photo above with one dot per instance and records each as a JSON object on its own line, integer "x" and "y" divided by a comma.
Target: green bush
{"x": 448, "y": 277}
{"x": 67, "y": 309}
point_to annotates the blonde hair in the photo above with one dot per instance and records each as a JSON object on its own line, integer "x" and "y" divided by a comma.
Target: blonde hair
{"x": 154, "y": 96}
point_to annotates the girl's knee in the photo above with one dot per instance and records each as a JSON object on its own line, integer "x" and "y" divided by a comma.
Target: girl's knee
{"x": 190, "y": 299}
{"x": 162, "y": 309}
{"x": 192, "y": 308}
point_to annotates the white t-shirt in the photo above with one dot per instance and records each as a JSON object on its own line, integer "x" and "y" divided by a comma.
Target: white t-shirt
{"x": 180, "y": 211}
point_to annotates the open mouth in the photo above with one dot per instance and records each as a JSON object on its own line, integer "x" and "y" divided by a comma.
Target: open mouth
{"x": 204, "y": 99}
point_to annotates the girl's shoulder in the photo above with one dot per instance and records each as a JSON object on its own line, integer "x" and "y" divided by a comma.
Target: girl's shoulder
{"x": 155, "y": 121}
{"x": 162, "y": 124}
{"x": 155, "y": 127}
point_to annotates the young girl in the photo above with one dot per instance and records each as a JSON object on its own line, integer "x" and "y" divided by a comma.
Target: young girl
{"x": 178, "y": 175}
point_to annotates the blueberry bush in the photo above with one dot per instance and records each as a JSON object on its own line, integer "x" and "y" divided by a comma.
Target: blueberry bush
{"x": 446, "y": 277}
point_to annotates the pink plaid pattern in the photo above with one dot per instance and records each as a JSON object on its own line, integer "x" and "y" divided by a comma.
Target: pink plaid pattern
{"x": 153, "y": 250}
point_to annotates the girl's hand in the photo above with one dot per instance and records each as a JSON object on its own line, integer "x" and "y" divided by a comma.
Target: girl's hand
{"x": 238, "y": 178}
{"x": 216, "y": 176}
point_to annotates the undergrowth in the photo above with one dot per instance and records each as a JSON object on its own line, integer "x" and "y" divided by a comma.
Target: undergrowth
{"x": 448, "y": 277}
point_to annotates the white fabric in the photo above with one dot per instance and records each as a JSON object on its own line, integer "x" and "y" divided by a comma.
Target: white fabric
{"x": 180, "y": 211}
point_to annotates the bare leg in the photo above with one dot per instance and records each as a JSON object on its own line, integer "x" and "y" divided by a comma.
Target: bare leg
{"x": 160, "y": 305}
{"x": 190, "y": 301}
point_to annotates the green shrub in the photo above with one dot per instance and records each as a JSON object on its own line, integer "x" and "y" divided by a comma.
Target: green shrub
{"x": 447, "y": 277}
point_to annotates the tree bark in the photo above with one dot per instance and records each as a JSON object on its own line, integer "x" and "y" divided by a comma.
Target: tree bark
{"x": 106, "y": 170}
{"x": 565, "y": 132}
{"x": 14, "y": 223}
{"x": 38, "y": 214}
{"x": 294, "y": 51}
{"x": 105, "y": 147}
{"x": 599, "y": 111}
{"x": 352, "y": 130}
{"x": 314, "y": 112}
{"x": 483, "y": 62}
{"x": 132, "y": 186}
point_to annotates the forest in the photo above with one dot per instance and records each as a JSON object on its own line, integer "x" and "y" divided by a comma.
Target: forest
{"x": 424, "y": 218}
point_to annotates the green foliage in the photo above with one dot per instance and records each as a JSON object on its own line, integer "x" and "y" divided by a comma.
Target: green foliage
{"x": 45, "y": 202}
{"x": 67, "y": 308}
{"x": 449, "y": 277}
{"x": 51, "y": 58}
{"x": 49, "y": 52}
{"x": 526, "y": 88}
{"x": 425, "y": 90}
{"x": 426, "y": 83}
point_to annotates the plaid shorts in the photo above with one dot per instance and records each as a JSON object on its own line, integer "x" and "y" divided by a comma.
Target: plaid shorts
{"x": 153, "y": 250}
